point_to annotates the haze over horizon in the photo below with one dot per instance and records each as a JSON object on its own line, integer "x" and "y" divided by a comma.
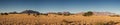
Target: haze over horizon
{"x": 73, "y": 6}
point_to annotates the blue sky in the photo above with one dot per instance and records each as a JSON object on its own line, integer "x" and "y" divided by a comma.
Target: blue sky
{"x": 73, "y": 6}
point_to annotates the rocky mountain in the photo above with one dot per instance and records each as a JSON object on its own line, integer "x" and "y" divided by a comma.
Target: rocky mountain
{"x": 29, "y": 11}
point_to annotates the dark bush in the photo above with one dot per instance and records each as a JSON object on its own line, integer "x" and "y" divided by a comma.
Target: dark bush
{"x": 36, "y": 14}
{"x": 29, "y": 14}
{"x": 59, "y": 13}
{"x": 89, "y": 13}
{"x": 114, "y": 15}
{"x": 4, "y": 13}
{"x": 64, "y": 13}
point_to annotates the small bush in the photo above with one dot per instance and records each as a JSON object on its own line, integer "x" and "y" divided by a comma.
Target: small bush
{"x": 64, "y": 13}
{"x": 89, "y": 13}
{"x": 111, "y": 23}
{"x": 107, "y": 23}
{"x": 36, "y": 14}
{"x": 29, "y": 14}
{"x": 1, "y": 14}
{"x": 59, "y": 13}
{"x": 4, "y": 13}
{"x": 114, "y": 15}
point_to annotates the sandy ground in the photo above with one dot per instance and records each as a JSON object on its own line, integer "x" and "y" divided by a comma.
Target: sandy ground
{"x": 24, "y": 19}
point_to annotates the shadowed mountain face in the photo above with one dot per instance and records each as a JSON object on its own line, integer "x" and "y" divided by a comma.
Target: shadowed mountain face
{"x": 29, "y": 11}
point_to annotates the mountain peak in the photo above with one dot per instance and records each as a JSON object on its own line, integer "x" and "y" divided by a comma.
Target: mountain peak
{"x": 29, "y": 11}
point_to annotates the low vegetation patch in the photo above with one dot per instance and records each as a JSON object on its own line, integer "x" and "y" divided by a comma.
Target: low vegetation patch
{"x": 114, "y": 15}
{"x": 89, "y": 13}
{"x": 4, "y": 13}
{"x": 107, "y": 23}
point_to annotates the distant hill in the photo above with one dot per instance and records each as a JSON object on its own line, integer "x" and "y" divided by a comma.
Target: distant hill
{"x": 29, "y": 11}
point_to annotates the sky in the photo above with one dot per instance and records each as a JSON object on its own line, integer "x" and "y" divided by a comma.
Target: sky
{"x": 73, "y": 6}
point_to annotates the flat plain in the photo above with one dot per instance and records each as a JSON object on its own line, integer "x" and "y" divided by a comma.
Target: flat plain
{"x": 52, "y": 19}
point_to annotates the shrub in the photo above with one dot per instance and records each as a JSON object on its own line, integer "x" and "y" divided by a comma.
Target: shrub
{"x": 107, "y": 23}
{"x": 4, "y": 13}
{"x": 64, "y": 13}
{"x": 111, "y": 23}
{"x": 89, "y": 13}
{"x": 59, "y": 13}
{"x": 114, "y": 15}
{"x": 36, "y": 14}
{"x": 29, "y": 14}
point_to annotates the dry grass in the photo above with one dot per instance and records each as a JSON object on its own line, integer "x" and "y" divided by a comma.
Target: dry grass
{"x": 51, "y": 19}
